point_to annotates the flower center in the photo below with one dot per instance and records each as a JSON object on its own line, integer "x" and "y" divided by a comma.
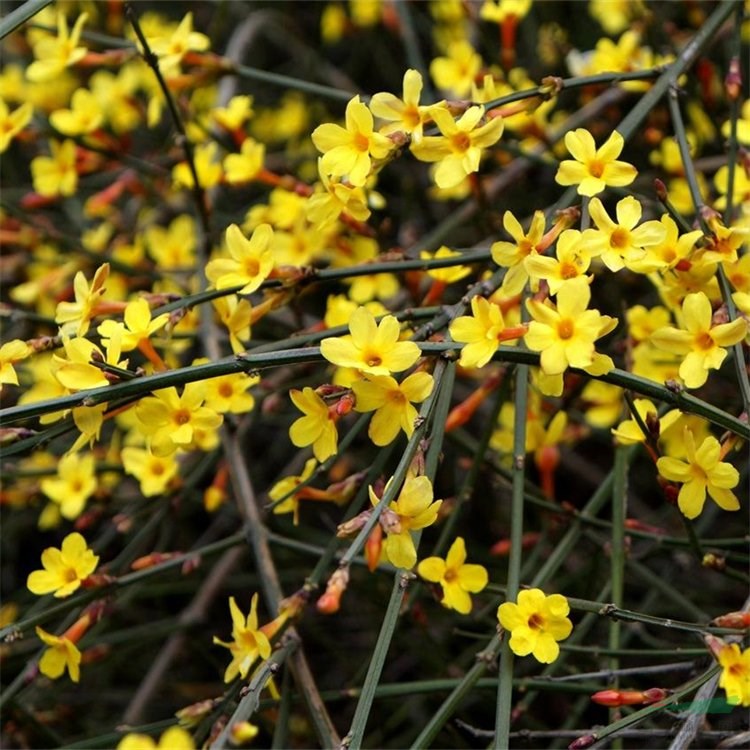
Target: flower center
{"x": 460, "y": 141}
{"x": 182, "y": 416}
{"x": 536, "y": 621}
{"x": 373, "y": 360}
{"x": 568, "y": 271}
{"x": 450, "y": 575}
{"x": 704, "y": 341}
{"x": 226, "y": 390}
{"x": 361, "y": 142}
{"x": 70, "y": 575}
{"x": 596, "y": 168}
{"x": 565, "y": 328}
{"x": 411, "y": 117}
{"x": 620, "y": 238}
{"x": 251, "y": 266}
{"x": 157, "y": 468}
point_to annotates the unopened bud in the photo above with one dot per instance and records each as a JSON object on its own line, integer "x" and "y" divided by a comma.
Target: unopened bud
{"x": 374, "y": 547}
{"x": 195, "y": 712}
{"x": 714, "y": 644}
{"x": 353, "y": 525}
{"x": 155, "y": 558}
{"x": 738, "y": 620}
{"x": 583, "y": 742}
{"x": 331, "y": 599}
{"x": 661, "y": 190}
{"x": 243, "y": 732}
{"x": 733, "y": 80}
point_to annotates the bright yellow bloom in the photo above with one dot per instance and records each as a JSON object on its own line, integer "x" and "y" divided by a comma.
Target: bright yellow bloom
{"x": 250, "y": 263}
{"x": 174, "y": 738}
{"x": 84, "y": 116}
{"x": 700, "y": 342}
{"x": 171, "y": 420}
{"x": 456, "y": 72}
{"x": 244, "y": 167}
{"x": 232, "y": 117}
{"x": 565, "y": 335}
{"x": 629, "y": 432}
{"x": 171, "y": 49}
{"x": 236, "y": 315}
{"x": 574, "y": 251}
{"x": 402, "y": 115}
{"x": 228, "y": 394}
{"x": 702, "y": 472}
{"x": 206, "y": 160}
{"x": 75, "y": 372}
{"x": 12, "y": 123}
{"x": 87, "y": 298}
{"x": 56, "y": 174}
{"x": 248, "y": 643}
{"x": 624, "y": 242}
{"x": 317, "y": 427}
{"x": 513, "y": 255}
{"x": 10, "y": 353}
{"x": 735, "y": 674}
{"x": 349, "y": 150}
{"x": 372, "y": 347}
{"x": 594, "y": 169}
{"x": 62, "y": 654}
{"x": 668, "y": 253}
{"x": 323, "y": 208}
{"x": 458, "y": 150}
{"x": 286, "y": 486}
{"x": 392, "y": 403}
{"x": 414, "y": 510}
{"x": 499, "y": 10}
{"x": 615, "y": 15}
{"x": 173, "y": 247}
{"x": 54, "y": 54}
{"x": 536, "y": 623}
{"x": 73, "y": 485}
{"x": 64, "y": 568}
{"x": 449, "y": 274}
{"x": 481, "y": 332}
{"x": 455, "y": 577}
{"x": 137, "y": 325}
{"x": 153, "y": 472}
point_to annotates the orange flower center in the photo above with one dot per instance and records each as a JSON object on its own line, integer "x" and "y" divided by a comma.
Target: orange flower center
{"x": 460, "y": 141}
{"x": 181, "y": 416}
{"x": 565, "y": 329}
{"x": 251, "y": 266}
{"x": 536, "y": 621}
{"x": 226, "y": 390}
{"x": 568, "y": 271}
{"x": 450, "y": 575}
{"x": 410, "y": 116}
{"x": 704, "y": 341}
{"x": 157, "y": 468}
{"x": 596, "y": 168}
{"x": 619, "y": 238}
{"x": 69, "y": 575}
{"x": 361, "y": 142}
{"x": 373, "y": 360}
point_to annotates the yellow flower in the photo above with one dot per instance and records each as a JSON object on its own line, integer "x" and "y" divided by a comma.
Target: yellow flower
{"x": 392, "y": 403}
{"x": 12, "y": 123}
{"x": 56, "y": 174}
{"x": 700, "y": 342}
{"x": 74, "y": 483}
{"x": 629, "y": 432}
{"x": 513, "y": 255}
{"x": 236, "y": 314}
{"x": 669, "y": 252}
{"x": 64, "y": 568}
{"x": 402, "y": 115}
{"x": 456, "y": 72}
{"x": 174, "y": 738}
{"x": 317, "y": 427}
{"x": 244, "y": 167}
{"x": 413, "y": 510}
{"x": 153, "y": 472}
{"x": 372, "y": 347}
{"x": 205, "y": 158}
{"x": 499, "y": 10}
{"x": 702, "y": 472}
{"x": 455, "y": 577}
{"x": 536, "y": 623}
{"x": 565, "y": 336}
{"x": 624, "y": 242}
{"x": 615, "y": 15}
{"x": 10, "y": 353}
{"x": 54, "y": 54}
{"x": 75, "y": 371}
{"x": 286, "y": 486}
{"x": 323, "y": 208}
{"x": 171, "y": 49}
{"x": 449, "y": 274}
{"x": 173, "y": 247}
{"x": 482, "y": 332}
{"x": 171, "y": 421}
{"x": 250, "y": 263}
{"x": 248, "y": 642}
{"x": 735, "y": 674}
{"x": 594, "y": 169}
{"x": 349, "y": 150}
{"x": 458, "y": 150}
{"x": 84, "y": 116}
{"x": 574, "y": 251}
{"x": 137, "y": 325}
{"x": 235, "y": 114}
{"x": 228, "y": 394}
{"x": 62, "y": 654}
{"x": 87, "y": 298}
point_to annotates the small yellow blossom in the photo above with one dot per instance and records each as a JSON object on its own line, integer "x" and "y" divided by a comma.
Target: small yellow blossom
{"x": 207, "y": 166}
{"x": 536, "y": 623}
{"x": 232, "y": 117}
{"x": 702, "y": 343}
{"x": 62, "y": 654}
{"x": 456, "y": 72}
{"x": 12, "y": 123}
{"x": 56, "y": 175}
{"x": 137, "y": 325}
{"x": 87, "y": 298}
{"x": 629, "y": 432}
{"x": 153, "y": 472}
{"x": 703, "y": 472}
{"x": 392, "y": 403}
{"x": 482, "y": 332}
{"x": 456, "y": 578}
{"x": 54, "y": 54}
{"x": 323, "y": 208}
{"x": 668, "y": 253}
{"x": 236, "y": 314}
{"x": 244, "y": 167}
{"x": 174, "y": 738}
{"x": 75, "y": 370}
{"x": 64, "y": 568}
{"x": 594, "y": 169}
{"x": 349, "y": 150}
{"x": 499, "y": 10}
{"x": 573, "y": 254}
{"x": 248, "y": 643}
{"x": 171, "y": 49}
{"x": 317, "y": 427}
{"x": 10, "y": 353}
{"x": 458, "y": 150}
{"x": 285, "y": 488}
{"x": 565, "y": 335}
{"x": 73, "y": 485}
{"x": 615, "y": 15}
{"x": 513, "y": 255}
{"x": 414, "y": 510}
{"x": 84, "y": 116}
{"x": 372, "y": 347}
{"x": 250, "y": 263}
{"x": 402, "y": 115}
{"x": 173, "y": 247}
{"x": 449, "y": 274}
{"x": 735, "y": 674}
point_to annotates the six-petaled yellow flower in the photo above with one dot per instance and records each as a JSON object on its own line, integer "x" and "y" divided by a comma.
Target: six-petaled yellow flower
{"x": 317, "y": 427}
{"x": 250, "y": 261}
{"x": 64, "y": 568}
{"x": 536, "y": 623}
{"x": 405, "y": 114}
{"x": 73, "y": 485}
{"x": 456, "y": 578}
